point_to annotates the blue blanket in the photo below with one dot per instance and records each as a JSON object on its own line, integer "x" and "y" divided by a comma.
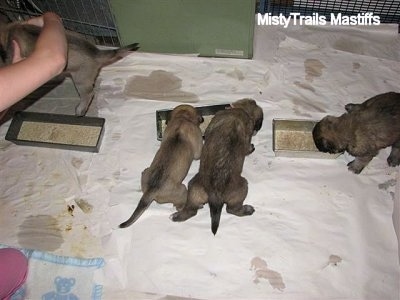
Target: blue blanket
{"x": 59, "y": 277}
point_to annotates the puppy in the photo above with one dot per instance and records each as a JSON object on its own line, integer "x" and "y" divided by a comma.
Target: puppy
{"x": 227, "y": 142}
{"x": 181, "y": 144}
{"x": 363, "y": 130}
{"x": 84, "y": 59}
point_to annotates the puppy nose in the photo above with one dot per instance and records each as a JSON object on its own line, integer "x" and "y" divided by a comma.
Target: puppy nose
{"x": 201, "y": 119}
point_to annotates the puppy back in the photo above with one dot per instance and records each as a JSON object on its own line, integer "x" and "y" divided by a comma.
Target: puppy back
{"x": 225, "y": 147}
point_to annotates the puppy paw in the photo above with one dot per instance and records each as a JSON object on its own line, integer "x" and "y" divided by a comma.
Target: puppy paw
{"x": 248, "y": 210}
{"x": 176, "y": 217}
{"x": 240, "y": 211}
{"x": 355, "y": 167}
{"x": 183, "y": 215}
{"x": 393, "y": 161}
{"x": 252, "y": 148}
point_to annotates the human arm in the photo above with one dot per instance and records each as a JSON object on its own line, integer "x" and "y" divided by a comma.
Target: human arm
{"x": 47, "y": 60}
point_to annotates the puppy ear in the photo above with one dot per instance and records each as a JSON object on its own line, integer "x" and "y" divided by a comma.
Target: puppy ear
{"x": 351, "y": 107}
{"x": 258, "y": 125}
{"x": 327, "y": 120}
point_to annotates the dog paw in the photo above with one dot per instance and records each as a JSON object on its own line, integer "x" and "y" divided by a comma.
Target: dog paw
{"x": 248, "y": 210}
{"x": 183, "y": 215}
{"x": 252, "y": 148}
{"x": 355, "y": 167}
{"x": 393, "y": 161}
{"x": 175, "y": 217}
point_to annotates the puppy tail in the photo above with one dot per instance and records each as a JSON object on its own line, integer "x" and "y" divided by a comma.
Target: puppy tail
{"x": 215, "y": 212}
{"x": 143, "y": 204}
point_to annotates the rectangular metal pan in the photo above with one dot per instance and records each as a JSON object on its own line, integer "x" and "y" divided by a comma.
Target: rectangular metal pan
{"x": 56, "y": 131}
{"x": 293, "y": 138}
{"x": 207, "y": 112}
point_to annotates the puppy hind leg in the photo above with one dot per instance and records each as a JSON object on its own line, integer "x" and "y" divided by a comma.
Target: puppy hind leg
{"x": 180, "y": 198}
{"x": 235, "y": 198}
{"x": 359, "y": 163}
{"x": 394, "y": 158}
{"x": 175, "y": 194}
{"x": 196, "y": 198}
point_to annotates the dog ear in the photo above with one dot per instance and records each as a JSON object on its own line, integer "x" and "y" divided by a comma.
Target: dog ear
{"x": 258, "y": 125}
{"x": 351, "y": 107}
{"x": 329, "y": 121}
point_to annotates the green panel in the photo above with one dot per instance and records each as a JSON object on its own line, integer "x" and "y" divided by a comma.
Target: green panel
{"x": 221, "y": 28}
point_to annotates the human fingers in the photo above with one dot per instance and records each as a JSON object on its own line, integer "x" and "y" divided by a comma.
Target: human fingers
{"x": 38, "y": 21}
{"x": 17, "y": 52}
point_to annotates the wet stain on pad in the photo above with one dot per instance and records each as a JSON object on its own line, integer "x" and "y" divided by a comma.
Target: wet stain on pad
{"x": 304, "y": 85}
{"x": 313, "y": 68}
{"x": 263, "y": 272}
{"x": 236, "y": 74}
{"x": 387, "y": 184}
{"x": 76, "y": 162}
{"x": 356, "y": 66}
{"x": 40, "y": 232}
{"x": 159, "y": 85}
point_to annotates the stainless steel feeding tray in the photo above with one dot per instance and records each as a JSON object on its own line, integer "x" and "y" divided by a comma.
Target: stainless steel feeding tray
{"x": 56, "y": 131}
{"x": 293, "y": 138}
{"x": 207, "y": 112}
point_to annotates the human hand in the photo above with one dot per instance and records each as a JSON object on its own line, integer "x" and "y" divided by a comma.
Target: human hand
{"x": 39, "y": 21}
{"x": 17, "y": 52}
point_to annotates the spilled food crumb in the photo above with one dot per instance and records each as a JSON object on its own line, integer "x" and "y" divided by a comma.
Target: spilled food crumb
{"x": 85, "y": 206}
{"x": 334, "y": 260}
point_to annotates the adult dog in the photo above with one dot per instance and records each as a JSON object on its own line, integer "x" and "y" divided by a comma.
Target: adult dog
{"x": 84, "y": 59}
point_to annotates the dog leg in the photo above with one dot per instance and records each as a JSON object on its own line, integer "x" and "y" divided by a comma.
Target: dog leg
{"x": 181, "y": 197}
{"x": 394, "y": 157}
{"x": 176, "y": 194}
{"x": 197, "y": 197}
{"x": 144, "y": 180}
{"x": 84, "y": 84}
{"x": 235, "y": 198}
{"x": 360, "y": 162}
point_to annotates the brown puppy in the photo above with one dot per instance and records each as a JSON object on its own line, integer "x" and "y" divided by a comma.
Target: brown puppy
{"x": 181, "y": 144}
{"x": 363, "y": 131}
{"x": 84, "y": 59}
{"x": 227, "y": 143}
